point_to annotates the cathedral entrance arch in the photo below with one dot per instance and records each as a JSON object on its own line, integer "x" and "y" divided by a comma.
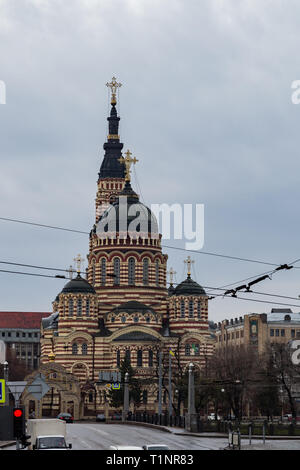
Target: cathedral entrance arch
{"x": 63, "y": 394}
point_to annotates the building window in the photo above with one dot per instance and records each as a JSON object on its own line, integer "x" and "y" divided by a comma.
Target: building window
{"x": 84, "y": 349}
{"x": 197, "y": 349}
{"x": 128, "y": 356}
{"x": 103, "y": 271}
{"x": 123, "y": 319}
{"x": 140, "y": 358}
{"x": 87, "y": 307}
{"x": 277, "y": 332}
{"x": 282, "y": 332}
{"x": 74, "y": 348}
{"x": 93, "y": 273}
{"x": 71, "y": 307}
{"x": 150, "y": 358}
{"x": 199, "y": 309}
{"x": 145, "y": 397}
{"x": 145, "y": 271}
{"x": 131, "y": 271}
{"x": 157, "y": 272}
{"x": 293, "y": 333}
{"x": 79, "y": 307}
{"x": 187, "y": 350}
{"x": 182, "y": 308}
{"x": 191, "y": 308}
{"x": 136, "y": 319}
{"x": 118, "y": 358}
{"x": 116, "y": 271}
{"x": 271, "y": 332}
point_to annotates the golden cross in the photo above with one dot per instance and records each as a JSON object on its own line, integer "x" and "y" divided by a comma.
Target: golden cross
{"x": 171, "y": 273}
{"x": 189, "y": 262}
{"x": 78, "y": 260}
{"x": 113, "y": 85}
{"x": 127, "y": 161}
{"x": 71, "y": 271}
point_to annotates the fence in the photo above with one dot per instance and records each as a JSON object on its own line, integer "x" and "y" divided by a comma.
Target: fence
{"x": 224, "y": 427}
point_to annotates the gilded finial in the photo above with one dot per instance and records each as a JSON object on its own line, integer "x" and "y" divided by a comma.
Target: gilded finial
{"x": 78, "y": 260}
{"x": 113, "y": 85}
{"x": 128, "y": 161}
{"x": 189, "y": 262}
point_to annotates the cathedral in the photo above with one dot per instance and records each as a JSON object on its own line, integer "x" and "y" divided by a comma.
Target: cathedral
{"x": 121, "y": 307}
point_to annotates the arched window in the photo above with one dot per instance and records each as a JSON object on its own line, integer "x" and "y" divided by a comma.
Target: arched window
{"x": 157, "y": 272}
{"x": 146, "y": 271}
{"x": 74, "y": 348}
{"x": 118, "y": 358}
{"x": 71, "y": 307}
{"x": 87, "y": 307}
{"x": 79, "y": 307}
{"x": 182, "y": 309}
{"x": 93, "y": 273}
{"x": 116, "y": 271}
{"x": 187, "y": 350}
{"x": 128, "y": 356}
{"x": 191, "y": 308}
{"x": 199, "y": 309}
{"x": 131, "y": 272}
{"x": 84, "y": 348}
{"x": 103, "y": 271}
{"x": 140, "y": 358}
{"x": 150, "y": 358}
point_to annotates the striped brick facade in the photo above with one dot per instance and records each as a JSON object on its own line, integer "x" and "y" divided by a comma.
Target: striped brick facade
{"x": 128, "y": 311}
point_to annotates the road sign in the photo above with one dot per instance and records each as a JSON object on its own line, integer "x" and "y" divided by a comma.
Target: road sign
{"x": 16, "y": 389}
{"x": 2, "y": 351}
{"x": 38, "y": 388}
{"x": 2, "y": 391}
{"x": 109, "y": 376}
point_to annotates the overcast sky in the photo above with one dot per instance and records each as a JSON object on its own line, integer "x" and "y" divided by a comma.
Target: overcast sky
{"x": 205, "y": 106}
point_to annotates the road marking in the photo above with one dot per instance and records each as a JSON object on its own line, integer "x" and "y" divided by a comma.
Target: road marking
{"x": 96, "y": 430}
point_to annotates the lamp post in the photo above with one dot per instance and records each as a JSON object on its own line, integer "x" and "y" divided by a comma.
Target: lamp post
{"x": 191, "y": 416}
{"x": 126, "y": 398}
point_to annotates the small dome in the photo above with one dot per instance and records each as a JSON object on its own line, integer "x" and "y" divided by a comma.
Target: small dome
{"x": 78, "y": 286}
{"x": 189, "y": 287}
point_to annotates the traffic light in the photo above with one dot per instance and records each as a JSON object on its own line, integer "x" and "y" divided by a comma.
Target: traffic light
{"x": 18, "y": 422}
{"x": 24, "y": 440}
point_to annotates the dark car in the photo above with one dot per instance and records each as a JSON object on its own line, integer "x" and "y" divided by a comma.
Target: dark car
{"x": 67, "y": 417}
{"x": 100, "y": 418}
{"x": 117, "y": 417}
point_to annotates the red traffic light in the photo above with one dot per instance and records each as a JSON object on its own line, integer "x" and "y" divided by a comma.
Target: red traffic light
{"x": 18, "y": 413}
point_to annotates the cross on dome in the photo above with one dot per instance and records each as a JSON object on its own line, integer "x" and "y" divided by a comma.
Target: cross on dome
{"x": 128, "y": 161}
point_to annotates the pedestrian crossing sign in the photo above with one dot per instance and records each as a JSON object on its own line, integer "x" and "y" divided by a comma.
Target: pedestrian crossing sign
{"x": 2, "y": 391}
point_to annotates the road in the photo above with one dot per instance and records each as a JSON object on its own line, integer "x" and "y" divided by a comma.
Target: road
{"x": 100, "y": 436}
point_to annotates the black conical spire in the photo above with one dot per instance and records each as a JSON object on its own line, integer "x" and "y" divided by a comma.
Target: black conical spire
{"x": 111, "y": 166}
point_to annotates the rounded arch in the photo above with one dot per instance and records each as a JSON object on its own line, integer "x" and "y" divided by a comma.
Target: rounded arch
{"x": 129, "y": 329}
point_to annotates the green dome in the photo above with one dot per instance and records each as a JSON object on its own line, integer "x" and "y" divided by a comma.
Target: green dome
{"x": 189, "y": 287}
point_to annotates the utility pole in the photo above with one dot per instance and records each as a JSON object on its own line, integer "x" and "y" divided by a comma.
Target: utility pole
{"x": 191, "y": 417}
{"x": 159, "y": 386}
{"x": 170, "y": 388}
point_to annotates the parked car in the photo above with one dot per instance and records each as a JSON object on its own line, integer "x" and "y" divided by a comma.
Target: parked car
{"x": 156, "y": 447}
{"x": 67, "y": 417}
{"x": 290, "y": 418}
{"x": 212, "y": 417}
{"x": 100, "y": 418}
